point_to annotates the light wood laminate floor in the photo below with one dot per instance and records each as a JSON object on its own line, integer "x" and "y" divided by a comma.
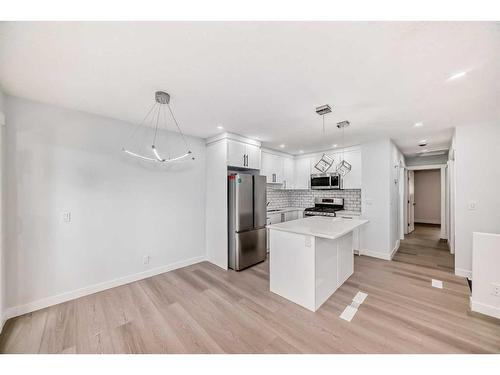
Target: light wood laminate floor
{"x": 425, "y": 248}
{"x": 203, "y": 309}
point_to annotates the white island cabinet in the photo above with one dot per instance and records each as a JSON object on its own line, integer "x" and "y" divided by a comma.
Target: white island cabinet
{"x": 311, "y": 258}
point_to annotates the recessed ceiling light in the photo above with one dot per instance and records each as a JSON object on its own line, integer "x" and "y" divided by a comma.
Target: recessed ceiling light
{"x": 220, "y": 127}
{"x": 456, "y": 76}
{"x": 282, "y": 146}
{"x": 301, "y": 151}
{"x": 418, "y": 124}
{"x": 335, "y": 145}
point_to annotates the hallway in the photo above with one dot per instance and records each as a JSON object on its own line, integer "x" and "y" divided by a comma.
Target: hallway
{"x": 423, "y": 247}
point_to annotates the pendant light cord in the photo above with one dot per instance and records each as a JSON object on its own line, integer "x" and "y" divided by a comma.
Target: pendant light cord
{"x": 156, "y": 125}
{"x": 143, "y": 121}
{"x": 176, "y": 124}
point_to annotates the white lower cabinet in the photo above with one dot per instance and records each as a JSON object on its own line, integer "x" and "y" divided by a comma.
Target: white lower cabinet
{"x": 291, "y": 215}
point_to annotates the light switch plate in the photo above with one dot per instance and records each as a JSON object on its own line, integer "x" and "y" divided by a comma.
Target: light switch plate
{"x": 472, "y": 205}
{"x": 66, "y": 216}
{"x": 495, "y": 289}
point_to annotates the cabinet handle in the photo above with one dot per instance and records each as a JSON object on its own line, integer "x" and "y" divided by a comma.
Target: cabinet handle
{"x": 274, "y": 177}
{"x": 244, "y": 160}
{"x": 247, "y": 160}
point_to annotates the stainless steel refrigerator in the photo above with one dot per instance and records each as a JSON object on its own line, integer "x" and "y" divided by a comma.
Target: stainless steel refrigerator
{"x": 247, "y": 220}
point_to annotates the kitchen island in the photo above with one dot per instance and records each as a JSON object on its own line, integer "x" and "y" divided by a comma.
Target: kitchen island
{"x": 311, "y": 258}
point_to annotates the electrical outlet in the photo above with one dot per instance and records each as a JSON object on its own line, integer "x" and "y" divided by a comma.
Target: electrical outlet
{"x": 495, "y": 289}
{"x": 472, "y": 205}
{"x": 66, "y": 217}
{"x": 145, "y": 259}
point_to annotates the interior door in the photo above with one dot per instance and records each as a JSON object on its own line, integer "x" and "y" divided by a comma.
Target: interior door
{"x": 411, "y": 201}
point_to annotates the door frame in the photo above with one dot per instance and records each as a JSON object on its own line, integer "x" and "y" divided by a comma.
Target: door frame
{"x": 444, "y": 192}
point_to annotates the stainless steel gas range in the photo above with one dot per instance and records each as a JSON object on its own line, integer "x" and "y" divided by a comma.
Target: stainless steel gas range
{"x": 325, "y": 207}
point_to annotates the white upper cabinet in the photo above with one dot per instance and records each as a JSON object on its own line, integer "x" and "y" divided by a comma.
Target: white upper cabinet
{"x": 352, "y": 180}
{"x": 272, "y": 167}
{"x": 253, "y": 156}
{"x": 236, "y": 154}
{"x": 288, "y": 173}
{"x": 302, "y": 175}
{"x": 243, "y": 155}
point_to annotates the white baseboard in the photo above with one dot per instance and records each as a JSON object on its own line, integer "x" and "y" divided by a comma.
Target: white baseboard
{"x": 463, "y": 273}
{"x": 2, "y": 323}
{"x": 485, "y": 309}
{"x": 375, "y": 254}
{"x": 427, "y": 221}
{"x": 396, "y": 247}
{"x": 67, "y": 296}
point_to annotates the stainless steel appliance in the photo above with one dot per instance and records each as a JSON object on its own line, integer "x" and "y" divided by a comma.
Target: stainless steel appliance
{"x": 325, "y": 207}
{"x": 246, "y": 220}
{"x": 326, "y": 181}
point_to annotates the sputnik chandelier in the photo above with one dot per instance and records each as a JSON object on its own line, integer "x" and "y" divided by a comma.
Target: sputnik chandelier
{"x": 154, "y": 117}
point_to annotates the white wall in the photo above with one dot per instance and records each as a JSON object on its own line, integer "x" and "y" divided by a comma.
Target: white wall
{"x": 424, "y": 159}
{"x": 216, "y": 201}
{"x": 397, "y": 162}
{"x": 428, "y": 196}
{"x": 2, "y": 212}
{"x": 375, "y": 176}
{"x": 381, "y": 199}
{"x": 486, "y": 271}
{"x": 122, "y": 209}
{"x": 477, "y": 177}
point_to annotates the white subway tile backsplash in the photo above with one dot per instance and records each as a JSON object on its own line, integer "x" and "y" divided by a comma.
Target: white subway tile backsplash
{"x": 305, "y": 198}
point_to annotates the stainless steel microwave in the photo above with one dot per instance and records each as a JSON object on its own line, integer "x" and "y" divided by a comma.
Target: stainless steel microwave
{"x": 326, "y": 181}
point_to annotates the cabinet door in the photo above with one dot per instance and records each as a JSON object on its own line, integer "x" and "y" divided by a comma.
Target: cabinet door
{"x": 253, "y": 156}
{"x": 272, "y": 167}
{"x": 291, "y": 215}
{"x": 266, "y": 166}
{"x": 302, "y": 175}
{"x": 236, "y": 152}
{"x": 345, "y": 262}
{"x": 352, "y": 180}
{"x": 288, "y": 173}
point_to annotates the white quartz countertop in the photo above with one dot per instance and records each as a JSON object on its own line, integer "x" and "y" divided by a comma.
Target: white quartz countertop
{"x": 284, "y": 209}
{"x": 320, "y": 226}
{"x": 349, "y": 213}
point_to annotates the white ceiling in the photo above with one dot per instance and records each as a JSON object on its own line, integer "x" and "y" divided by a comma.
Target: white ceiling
{"x": 264, "y": 79}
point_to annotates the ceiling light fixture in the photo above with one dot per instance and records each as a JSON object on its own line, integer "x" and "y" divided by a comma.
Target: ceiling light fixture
{"x": 162, "y": 100}
{"x": 418, "y": 124}
{"x": 282, "y": 146}
{"x": 457, "y": 75}
{"x": 220, "y": 127}
{"x": 335, "y": 145}
{"x": 322, "y": 111}
{"x": 301, "y": 151}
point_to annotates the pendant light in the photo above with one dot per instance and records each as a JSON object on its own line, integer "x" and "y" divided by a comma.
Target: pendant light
{"x": 343, "y": 167}
{"x": 322, "y": 111}
{"x": 158, "y": 110}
